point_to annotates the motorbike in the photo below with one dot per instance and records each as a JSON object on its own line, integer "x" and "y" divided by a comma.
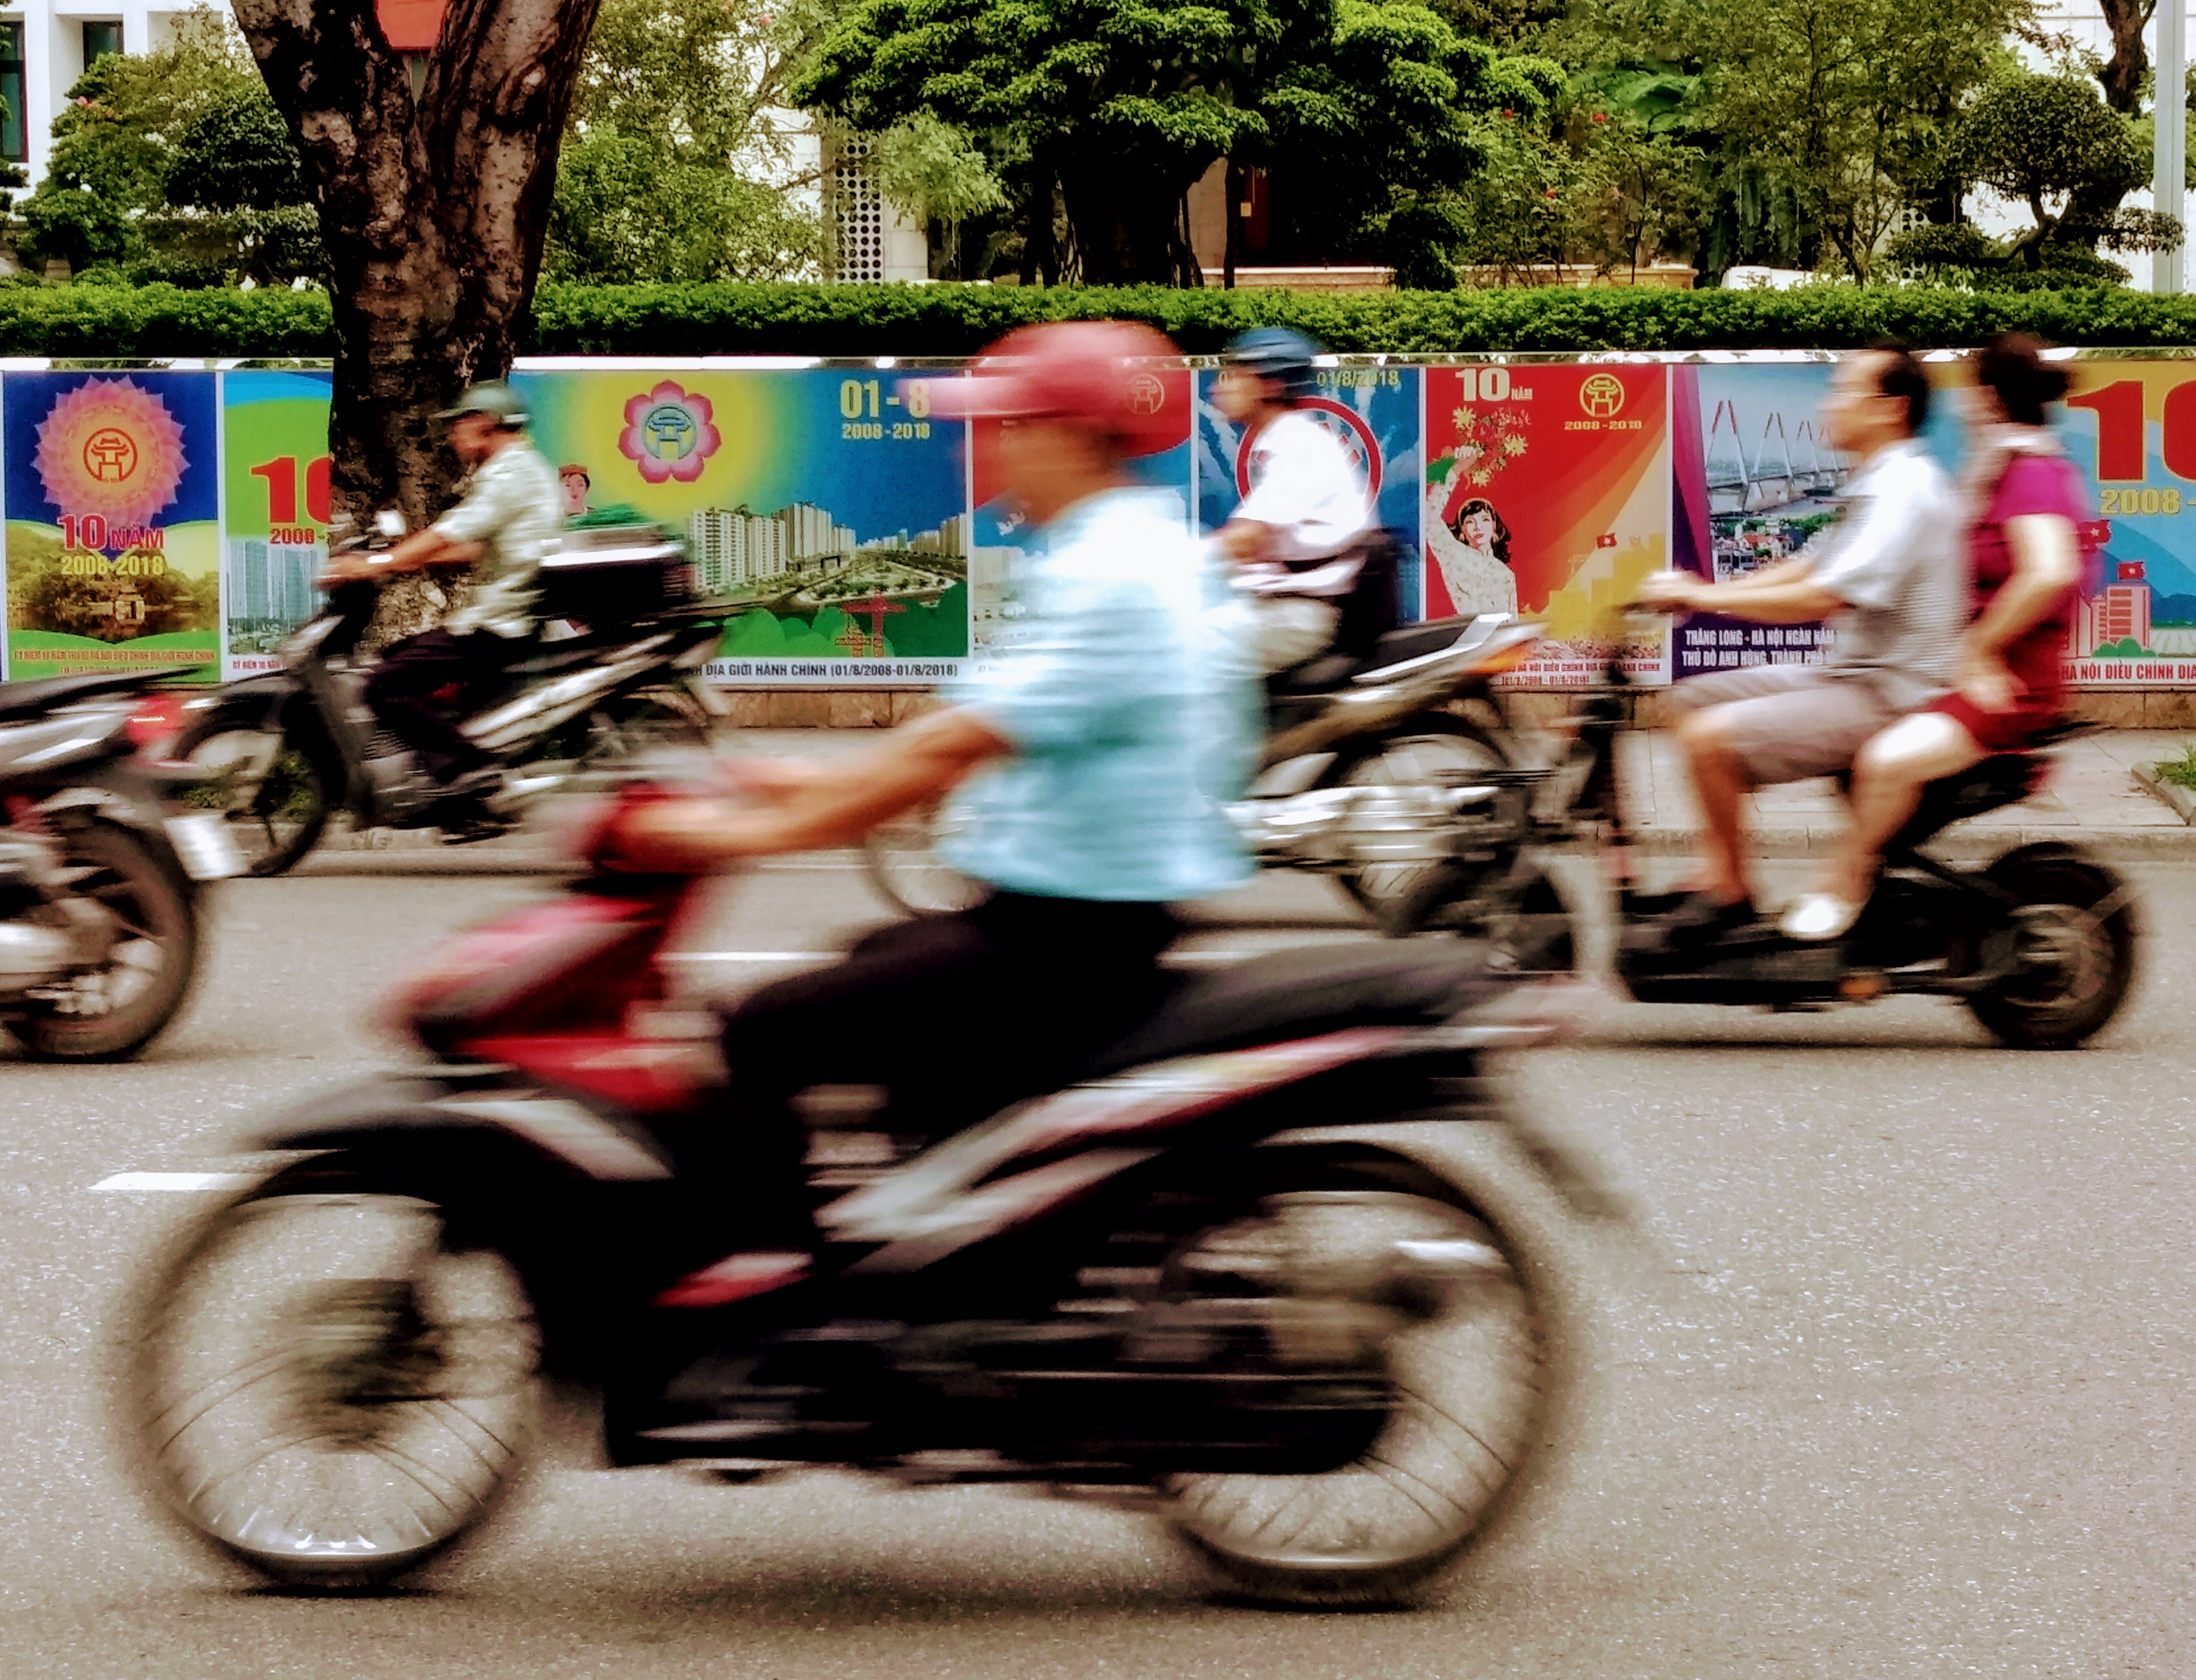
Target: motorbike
{"x": 2040, "y": 943}
{"x": 1195, "y": 1281}
{"x": 1358, "y": 750}
{"x": 102, "y": 866}
{"x": 616, "y": 674}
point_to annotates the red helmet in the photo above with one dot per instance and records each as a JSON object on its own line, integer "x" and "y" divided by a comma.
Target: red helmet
{"x": 1118, "y": 374}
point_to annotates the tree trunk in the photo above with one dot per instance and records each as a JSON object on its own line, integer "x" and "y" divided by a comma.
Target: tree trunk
{"x": 1126, "y": 225}
{"x": 433, "y": 212}
{"x": 2121, "y": 75}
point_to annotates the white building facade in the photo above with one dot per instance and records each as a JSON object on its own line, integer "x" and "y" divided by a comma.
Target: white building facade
{"x": 44, "y": 46}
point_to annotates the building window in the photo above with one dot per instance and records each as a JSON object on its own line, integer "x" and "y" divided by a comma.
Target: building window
{"x": 858, "y": 212}
{"x": 99, "y": 40}
{"x": 14, "y": 137}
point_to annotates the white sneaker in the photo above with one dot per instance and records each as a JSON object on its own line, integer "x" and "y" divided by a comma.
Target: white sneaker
{"x": 1818, "y": 915}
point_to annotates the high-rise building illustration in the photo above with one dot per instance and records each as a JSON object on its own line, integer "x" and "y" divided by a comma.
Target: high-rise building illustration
{"x": 271, "y": 583}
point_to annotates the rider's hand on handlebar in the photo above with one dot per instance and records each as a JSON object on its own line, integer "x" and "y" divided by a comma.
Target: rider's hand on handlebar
{"x": 1669, "y": 592}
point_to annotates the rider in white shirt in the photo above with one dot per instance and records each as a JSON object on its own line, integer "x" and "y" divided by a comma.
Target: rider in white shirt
{"x": 1299, "y": 538}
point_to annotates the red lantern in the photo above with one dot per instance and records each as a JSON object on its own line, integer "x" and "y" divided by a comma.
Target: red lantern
{"x": 411, "y": 25}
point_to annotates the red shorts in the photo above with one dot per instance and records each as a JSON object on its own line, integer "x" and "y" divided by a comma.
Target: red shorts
{"x": 1999, "y": 732}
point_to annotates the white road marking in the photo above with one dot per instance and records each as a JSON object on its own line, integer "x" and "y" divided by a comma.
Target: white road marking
{"x": 175, "y": 1181}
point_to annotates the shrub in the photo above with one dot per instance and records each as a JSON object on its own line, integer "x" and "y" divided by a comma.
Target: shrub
{"x": 158, "y": 321}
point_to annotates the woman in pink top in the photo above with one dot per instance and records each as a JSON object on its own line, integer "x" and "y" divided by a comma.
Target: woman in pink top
{"x": 2024, "y": 550}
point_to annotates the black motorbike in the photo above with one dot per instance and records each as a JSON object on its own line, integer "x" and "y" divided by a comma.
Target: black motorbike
{"x": 2040, "y": 943}
{"x": 616, "y": 673}
{"x": 1189, "y": 1280}
{"x": 102, "y": 861}
{"x": 1363, "y": 753}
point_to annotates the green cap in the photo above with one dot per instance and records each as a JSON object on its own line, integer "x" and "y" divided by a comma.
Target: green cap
{"x": 490, "y": 397}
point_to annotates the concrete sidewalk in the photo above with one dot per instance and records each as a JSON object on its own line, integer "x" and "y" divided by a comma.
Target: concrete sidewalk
{"x": 2093, "y": 797}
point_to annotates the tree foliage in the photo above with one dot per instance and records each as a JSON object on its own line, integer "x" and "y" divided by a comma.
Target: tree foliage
{"x": 1099, "y": 114}
{"x": 677, "y": 166}
{"x": 175, "y": 163}
{"x": 2051, "y": 143}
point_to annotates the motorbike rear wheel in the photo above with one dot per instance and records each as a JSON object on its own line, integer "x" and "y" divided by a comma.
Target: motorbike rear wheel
{"x": 323, "y": 1386}
{"x": 275, "y": 817}
{"x": 115, "y": 1012}
{"x": 1426, "y": 751}
{"x": 2077, "y": 962}
{"x": 1471, "y": 1381}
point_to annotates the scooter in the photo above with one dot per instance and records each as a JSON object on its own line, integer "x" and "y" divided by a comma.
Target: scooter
{"x": 102, "y": 865}
{"x": 2040, "y": 943}
{"x": 1322, "y": 1357}
{"x": 616, "y": 674}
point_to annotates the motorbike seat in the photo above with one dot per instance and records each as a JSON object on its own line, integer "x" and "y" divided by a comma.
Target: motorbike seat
{"x": 1298, "y": 993}
{"x": 42, "y": 694}
{"x": 1332, "y": 671}
{"x": 2003, "y": 778}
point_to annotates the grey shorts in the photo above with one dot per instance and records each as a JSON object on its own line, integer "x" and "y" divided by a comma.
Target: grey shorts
{"x": 1787, "y": 723}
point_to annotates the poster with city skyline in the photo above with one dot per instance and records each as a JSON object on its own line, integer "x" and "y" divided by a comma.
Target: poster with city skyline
{"x": 823, "y": 505}
{"x": 275, "y": 501}
{"x": 112, "y": 534}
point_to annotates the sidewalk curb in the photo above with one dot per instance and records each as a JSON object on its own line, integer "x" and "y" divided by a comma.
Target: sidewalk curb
{"x": 1974, "y": 843}
{"x": 2179, "y": 799}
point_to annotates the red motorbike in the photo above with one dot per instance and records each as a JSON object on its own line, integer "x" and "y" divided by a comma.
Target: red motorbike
{"x": 1194, "y": 1279}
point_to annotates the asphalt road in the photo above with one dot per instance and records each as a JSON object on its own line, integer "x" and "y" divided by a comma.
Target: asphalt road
{"x": 1894, "y": 1377}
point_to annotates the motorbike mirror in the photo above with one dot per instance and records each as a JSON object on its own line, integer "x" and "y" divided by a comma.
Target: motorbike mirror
{"x": 389, "y": 523}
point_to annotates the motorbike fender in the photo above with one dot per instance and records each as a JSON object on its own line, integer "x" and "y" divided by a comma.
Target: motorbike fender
{"x": 75, "y": 807}
{"x": 510, "y": 1170}
{"x": 495, "y": 1128}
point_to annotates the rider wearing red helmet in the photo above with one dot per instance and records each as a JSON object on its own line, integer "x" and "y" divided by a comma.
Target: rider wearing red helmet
{"x": 1090, "y": 760}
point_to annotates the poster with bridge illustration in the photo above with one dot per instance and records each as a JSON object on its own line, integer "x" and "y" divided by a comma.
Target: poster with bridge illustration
{"x": 1755, "y": 481}
{"x": 112, "y": 522}
{"x": 824, "y": 504}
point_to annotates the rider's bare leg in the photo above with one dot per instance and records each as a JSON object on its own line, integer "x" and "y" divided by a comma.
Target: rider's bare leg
{"x": 1888, "y": 776}
{"x": 1721, "y": 784}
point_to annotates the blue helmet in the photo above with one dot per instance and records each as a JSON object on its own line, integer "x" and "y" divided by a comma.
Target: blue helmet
{"x": 1280, "y": 354}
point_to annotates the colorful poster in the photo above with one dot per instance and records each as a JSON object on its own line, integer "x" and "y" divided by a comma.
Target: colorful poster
{"x": 823, "y": 503}
{"x": 1001, "y": 537}
{"x": 112, "y": 522}
{"x": 1373, "y": 411}
{"x": 1754, "y": 480}
{"x": 2130, "y": 426}
{"x": 274, "y": 495}
{"x": 1547, "y": 492}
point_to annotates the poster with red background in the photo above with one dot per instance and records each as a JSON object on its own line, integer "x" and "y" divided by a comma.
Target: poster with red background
{"x": 1548, "y": 494}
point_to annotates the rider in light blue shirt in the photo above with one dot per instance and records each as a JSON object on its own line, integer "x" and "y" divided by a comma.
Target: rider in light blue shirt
{"x": 1130, "y": 726}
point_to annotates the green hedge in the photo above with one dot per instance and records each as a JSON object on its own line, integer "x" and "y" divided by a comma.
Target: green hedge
{"x": 160, "y": 321}
{"x": 957, "y": 319}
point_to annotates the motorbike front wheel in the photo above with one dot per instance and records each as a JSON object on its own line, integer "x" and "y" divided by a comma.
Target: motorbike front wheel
{"x": 274, "y": 792}
{"x": 111, "y": 1012}
{"x": 324, "y": 1386}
